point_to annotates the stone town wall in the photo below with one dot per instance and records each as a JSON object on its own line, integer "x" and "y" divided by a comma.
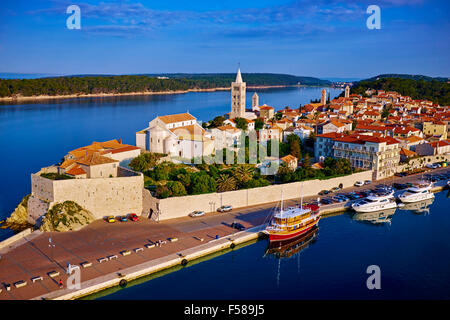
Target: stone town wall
{"x": 37, "y": 208}
{"x": 176, "y": 207}
{"x": 421, "y": 162}
{"x": 101, "y": 196}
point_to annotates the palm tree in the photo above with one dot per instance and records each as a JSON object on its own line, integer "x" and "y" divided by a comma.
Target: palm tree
{"x": 244, "y": 173}
{"x": 226, "y": 183}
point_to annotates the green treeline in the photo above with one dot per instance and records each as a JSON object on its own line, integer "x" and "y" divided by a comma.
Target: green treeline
{"x": 251, "y": 79}
{"x": 95, "y": 85}
{"x": 71, "y": 85}
{"x": 433, "y": 90}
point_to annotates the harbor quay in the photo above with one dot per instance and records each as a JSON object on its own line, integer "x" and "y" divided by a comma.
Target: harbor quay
{"x": 109, "y": 255}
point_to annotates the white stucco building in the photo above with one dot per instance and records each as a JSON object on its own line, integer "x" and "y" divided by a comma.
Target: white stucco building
{"x": 176, "y": 135}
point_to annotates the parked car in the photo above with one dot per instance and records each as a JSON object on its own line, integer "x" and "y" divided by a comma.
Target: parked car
{"x": 225, "y": 208}
{"x": 111, "y": 219}
{"x": 323, "y": 192}
{"x": 326, "y": 201}
{"x": 238, "y": 226}
{"x": 335, "y": 189}
{"x": 196, "y": 214}
{"x": 359, "y": 184}
{"x": 367, "y": 182}
{"x": 123, "y": 219}
{"x": 338, "y": 199}
{"x": 133, "y": 217}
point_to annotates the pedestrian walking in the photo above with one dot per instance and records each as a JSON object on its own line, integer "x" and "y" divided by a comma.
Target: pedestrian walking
{"x": 60, "y": 283}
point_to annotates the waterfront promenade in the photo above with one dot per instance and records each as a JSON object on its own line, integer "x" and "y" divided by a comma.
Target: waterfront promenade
{"x": 36, "y": 257}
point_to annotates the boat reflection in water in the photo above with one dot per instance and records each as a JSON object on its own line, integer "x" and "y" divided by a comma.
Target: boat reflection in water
{"x": 288, "y": 249}
{"x": 291, "y": 247}
{"x": 421, "y": 207}
{"x": 377, "y": 217}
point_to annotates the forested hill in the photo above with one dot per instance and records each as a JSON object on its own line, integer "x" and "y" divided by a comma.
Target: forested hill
{"x": 408, "y": 76}
{"x": 252, "y": 79}
{"x": 70, "y": 85}
{"x": 433, "y": 90}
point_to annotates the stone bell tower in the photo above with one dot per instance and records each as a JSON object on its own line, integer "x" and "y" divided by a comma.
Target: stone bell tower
{"x": 323, "y": 97}
{"x": 238, "y": 97}
{"x": 347, "y": 91}
{"x": 255, "y": 102}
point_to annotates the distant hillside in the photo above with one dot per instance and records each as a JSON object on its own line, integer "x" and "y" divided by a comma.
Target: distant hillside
{"x": 434, "y": 90}
{"x": 408, "y": 76}
{"x": 252, "y": 79}
{"x": 99, "y": 84}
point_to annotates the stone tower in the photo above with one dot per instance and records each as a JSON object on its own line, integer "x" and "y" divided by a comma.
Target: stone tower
{"x": 238, "y": 97}
{"x": 323, "y": 97}
{"x": 347, "y": 91}
{"x": 255, "y": 102}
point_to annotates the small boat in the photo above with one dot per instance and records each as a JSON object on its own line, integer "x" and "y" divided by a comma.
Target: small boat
{"x": 292, "y": 222}
{"x": 418, "y": 192}
{"x": 375, "y": 203}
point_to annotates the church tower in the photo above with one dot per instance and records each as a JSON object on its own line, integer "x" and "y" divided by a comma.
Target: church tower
{"x": 347, "y": 91}
{"x": 255, "y": 102}
{"x": 323, "y": 97}
{"x": 238, "y": 97}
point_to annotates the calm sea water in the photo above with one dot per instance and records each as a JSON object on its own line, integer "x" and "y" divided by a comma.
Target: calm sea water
{"x": 412, "y": 252}
{"x": 35, "y": 135}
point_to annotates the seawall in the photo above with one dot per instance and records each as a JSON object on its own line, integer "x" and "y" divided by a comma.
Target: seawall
{"x": 176, "y": 207}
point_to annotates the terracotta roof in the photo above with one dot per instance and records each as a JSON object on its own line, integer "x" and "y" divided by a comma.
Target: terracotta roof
{"x": 337, "y": 123}
{"x": 408, "y": 153}
{"x": 361, "y": 139}
{"x": 67, "y": 163}
{"x": 124, "y": 149}
{"x": 76, "y": 171}
{"x": 191, "y": 132}
{"x": 95, "y": 159}
{"x": 176, "y": 117}
{"x": 288, "y": 158}
{"x": 332, "y": 135}
{"x": 227, "y": 128}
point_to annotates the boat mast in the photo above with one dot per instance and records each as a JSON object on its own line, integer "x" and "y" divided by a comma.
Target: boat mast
{"x": 281, "y": 210}
{"x": 301, "y": 196}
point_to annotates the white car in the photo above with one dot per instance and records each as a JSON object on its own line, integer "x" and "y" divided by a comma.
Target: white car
{"x": 359, "y": 184}
{"x": 196, "y": 214}
{"x": 368, "y": 182}
{"x": 225, "y": 208}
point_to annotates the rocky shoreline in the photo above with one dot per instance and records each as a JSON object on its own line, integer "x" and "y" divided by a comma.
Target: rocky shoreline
{"x": 66, "y": 216}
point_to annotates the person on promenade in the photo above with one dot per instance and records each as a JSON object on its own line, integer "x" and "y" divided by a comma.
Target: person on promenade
{"x": 60, "y": 283}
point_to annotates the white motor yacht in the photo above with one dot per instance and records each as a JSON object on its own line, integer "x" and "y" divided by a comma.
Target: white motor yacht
{"x": 375, "y": 203}
{"x": 416, "y": 193}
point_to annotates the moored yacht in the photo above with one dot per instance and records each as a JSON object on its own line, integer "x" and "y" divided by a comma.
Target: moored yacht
{"x": 375, "y": 203}
{"x": 416, "y": 193}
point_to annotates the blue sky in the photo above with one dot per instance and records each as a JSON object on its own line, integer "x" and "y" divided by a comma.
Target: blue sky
{"x": 322, "y": 38}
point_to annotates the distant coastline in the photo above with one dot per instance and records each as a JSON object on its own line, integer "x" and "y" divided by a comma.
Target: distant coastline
{"x": 143, "y": 93}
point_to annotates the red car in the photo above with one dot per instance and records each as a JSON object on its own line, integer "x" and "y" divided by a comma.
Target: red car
{"x": 134, "y": 217}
